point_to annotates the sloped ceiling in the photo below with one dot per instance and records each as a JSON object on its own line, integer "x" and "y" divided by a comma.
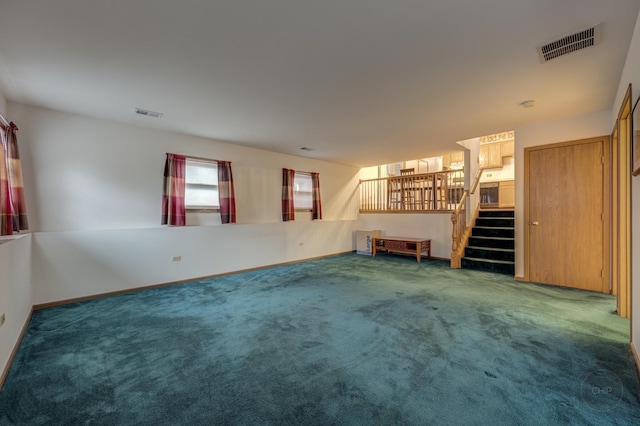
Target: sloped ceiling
{"x": 362, "y": 82}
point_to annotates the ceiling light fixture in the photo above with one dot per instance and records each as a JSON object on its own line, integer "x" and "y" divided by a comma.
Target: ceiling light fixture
{"x": 530, "y": 103}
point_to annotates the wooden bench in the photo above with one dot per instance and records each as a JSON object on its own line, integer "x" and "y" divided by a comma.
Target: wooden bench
{"x": 404, "y": 245}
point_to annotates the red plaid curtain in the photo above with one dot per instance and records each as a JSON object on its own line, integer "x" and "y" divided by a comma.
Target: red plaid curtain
{"x": 288, "y": 209}
{"x": 226, "y": 193}
{"x": 13, "y": 212}
{"x": 173, "y": 211}
{"x": 316, "y": 206}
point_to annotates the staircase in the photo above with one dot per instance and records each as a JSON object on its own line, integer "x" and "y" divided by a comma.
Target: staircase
{"x": 492, "y": 244}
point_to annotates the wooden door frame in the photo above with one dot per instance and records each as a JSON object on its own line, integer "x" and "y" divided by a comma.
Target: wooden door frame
{"x": 621, "y": 206}
{"x": 606, "y": 205}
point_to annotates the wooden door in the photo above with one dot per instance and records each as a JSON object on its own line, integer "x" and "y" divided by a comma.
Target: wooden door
{"x": 566, "y": 234}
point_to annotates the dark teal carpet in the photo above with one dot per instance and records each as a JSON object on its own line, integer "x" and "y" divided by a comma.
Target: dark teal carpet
{"x": 347, "y": 340}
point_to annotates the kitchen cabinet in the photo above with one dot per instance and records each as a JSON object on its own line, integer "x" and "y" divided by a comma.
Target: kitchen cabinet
{"x": 490, "y": 155}
{"x": 455, "y": 157}
{"x": 446, "y": 161}
{"x": 506, "y": 194}
{"x": 507, "y": 148}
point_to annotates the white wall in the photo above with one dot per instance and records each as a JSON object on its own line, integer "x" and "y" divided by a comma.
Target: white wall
{"x": 15, "y": 292}
{"x": 472, "y": 164}
{"x": 435, "y": 226}
{"x": 75, "y": 264}
{"x": 631, "y": 74}
{"x": 86, "y": 174}
{"x": 94, "y": 189}
{"x": 15, "y": 283}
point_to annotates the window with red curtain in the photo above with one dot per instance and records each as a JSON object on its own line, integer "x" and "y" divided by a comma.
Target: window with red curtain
{"x": 173, "y": 210}
{"x": 226, "y": 193}
{"x": 316, "y": 204}
{"x": 288, "y": 206}
{"x": 300, "y": 191}
{"x": 13, "y": 212}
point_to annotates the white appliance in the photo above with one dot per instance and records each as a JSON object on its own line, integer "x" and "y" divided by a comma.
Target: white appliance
{"x": 364, "y": 241}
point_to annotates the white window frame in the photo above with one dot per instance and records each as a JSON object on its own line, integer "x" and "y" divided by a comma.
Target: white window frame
{"x": 192, "y": 163}
{"x": 300, "y": 195}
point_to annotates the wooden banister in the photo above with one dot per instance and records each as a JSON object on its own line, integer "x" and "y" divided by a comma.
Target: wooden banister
{"x": 460, "y": 231}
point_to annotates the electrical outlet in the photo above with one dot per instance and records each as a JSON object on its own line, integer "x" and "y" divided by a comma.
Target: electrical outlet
{"x": 176, "y": 258}
{"x": 3, "y": 317}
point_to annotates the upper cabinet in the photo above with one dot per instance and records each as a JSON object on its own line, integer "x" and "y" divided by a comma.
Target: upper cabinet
{"x": 455, "y": 157}
{"x": 491, "y": 153}
{"x": 507, "y": 148}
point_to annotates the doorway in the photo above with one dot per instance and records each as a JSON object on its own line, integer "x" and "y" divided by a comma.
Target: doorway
{"x": 567, "y": 215}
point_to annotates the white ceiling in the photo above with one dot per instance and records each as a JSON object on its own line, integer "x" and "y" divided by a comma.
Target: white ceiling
{"x": 361, "y": 82}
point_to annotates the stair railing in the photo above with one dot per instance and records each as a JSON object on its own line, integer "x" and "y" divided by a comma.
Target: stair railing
{"x": 460, "y": 232}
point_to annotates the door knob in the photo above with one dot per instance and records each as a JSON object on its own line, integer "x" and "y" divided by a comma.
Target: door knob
{"x": 534, "y": 223}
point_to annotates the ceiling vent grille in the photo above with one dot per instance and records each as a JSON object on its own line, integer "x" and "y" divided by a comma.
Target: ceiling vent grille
{"x": 148, "y": 113}
{"x": 574, "y": 42}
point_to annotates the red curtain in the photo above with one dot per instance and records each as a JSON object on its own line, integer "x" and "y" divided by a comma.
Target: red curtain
{"x": 288, "y": 208}
{"x": 173, "y": 210}
{"x": 316, "y": 206}
{"x": 226, "y": 193}
{"x": 13, "y": 212}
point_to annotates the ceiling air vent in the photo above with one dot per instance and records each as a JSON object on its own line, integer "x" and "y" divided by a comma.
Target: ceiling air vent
{"x": 564, "y": 46}
{"x": 148, "y": 113}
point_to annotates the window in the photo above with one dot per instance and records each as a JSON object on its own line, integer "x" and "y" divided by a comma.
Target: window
{"x": 201, "y": 185}
{"x": 302, "y": 191}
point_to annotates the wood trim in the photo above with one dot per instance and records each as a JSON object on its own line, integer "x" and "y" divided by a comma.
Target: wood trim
{"x": 621, "y": 208}
{"x": 171, "y": 283}
{"x": 519, "y": 278}
{"x": 567, "y": 143}
{"x": 606, "y": 216}
{"x": 615, "y": 273}
{"x": 5, "y": 373}
{"x": 526, "y": 215}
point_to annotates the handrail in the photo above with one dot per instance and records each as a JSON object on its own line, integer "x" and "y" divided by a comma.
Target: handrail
{"x": 466, "y": 193}
{"x": 412, "y": 193}
{"x": 459, "y": 226}
{"x": 476, "y": 180}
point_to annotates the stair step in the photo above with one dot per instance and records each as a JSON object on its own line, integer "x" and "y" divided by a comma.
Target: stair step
{"x": 490, "y": 253}
{"x": 493, "y": 242}
{"x": 499, "y": 222}
{"x": 496, "y": 213}
{"x": 493, "y": 231}
{"x": 500, "y": 266}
